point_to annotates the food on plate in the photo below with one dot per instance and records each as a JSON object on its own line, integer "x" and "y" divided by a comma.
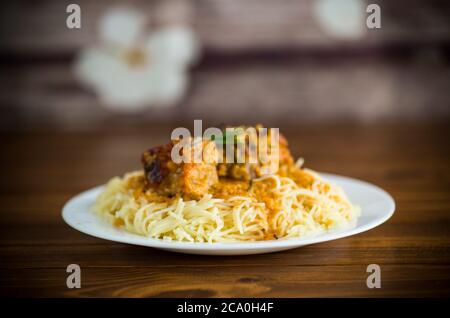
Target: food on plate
{"x": 213, "y": 199}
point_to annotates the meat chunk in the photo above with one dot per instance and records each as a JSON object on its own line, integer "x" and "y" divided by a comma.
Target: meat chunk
{"x": 189, "y": 179}
{"x": 157, "y": 163}
{"x": 194, "y": 178}
{"x": 249, "y": 170}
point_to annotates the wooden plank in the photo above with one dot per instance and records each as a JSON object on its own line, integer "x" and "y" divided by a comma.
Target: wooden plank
{"x": 270, "y": 90}
{"x": 255, "y": 281}
{"x": 232, "y": 25}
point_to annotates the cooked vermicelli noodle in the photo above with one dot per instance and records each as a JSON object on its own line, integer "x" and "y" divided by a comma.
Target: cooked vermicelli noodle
{"x": 292, "y": 211}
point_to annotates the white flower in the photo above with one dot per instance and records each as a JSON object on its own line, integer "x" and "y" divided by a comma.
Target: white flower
{"x": 130, "y": 69}
{"x": 342, "y": 19}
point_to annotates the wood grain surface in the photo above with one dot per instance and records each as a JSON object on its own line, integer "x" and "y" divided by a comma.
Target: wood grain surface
{"x": 274, "y": 89}
{"x": 268, "y": 60}
{"x": 42, "y": 170}
{"x": 29, "y": 28}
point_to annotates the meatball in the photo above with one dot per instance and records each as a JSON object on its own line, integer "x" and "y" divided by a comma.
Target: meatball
{"x": 188, "y": 179}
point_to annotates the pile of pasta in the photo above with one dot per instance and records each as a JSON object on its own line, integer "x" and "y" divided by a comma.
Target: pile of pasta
{"x": 303, "y": 212}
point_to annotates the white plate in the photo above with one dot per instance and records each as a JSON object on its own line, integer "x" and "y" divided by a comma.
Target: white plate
{"x": 376, "y": 207}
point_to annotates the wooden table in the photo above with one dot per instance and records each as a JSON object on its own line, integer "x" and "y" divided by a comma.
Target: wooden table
{"x": 42, "y": 170}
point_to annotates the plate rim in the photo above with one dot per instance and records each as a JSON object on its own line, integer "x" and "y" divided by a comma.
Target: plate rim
{"x": 136, "y": 239}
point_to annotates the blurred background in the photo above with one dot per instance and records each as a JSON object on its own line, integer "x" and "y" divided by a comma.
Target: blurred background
{"x": 270, "y": 61}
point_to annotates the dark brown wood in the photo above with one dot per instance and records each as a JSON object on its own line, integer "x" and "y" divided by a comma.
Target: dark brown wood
{"x": 42, "y": 170}
{"x": 257, "y": 56}
{"x": 28, "y": 28}
{"x": 242, "y": 88}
